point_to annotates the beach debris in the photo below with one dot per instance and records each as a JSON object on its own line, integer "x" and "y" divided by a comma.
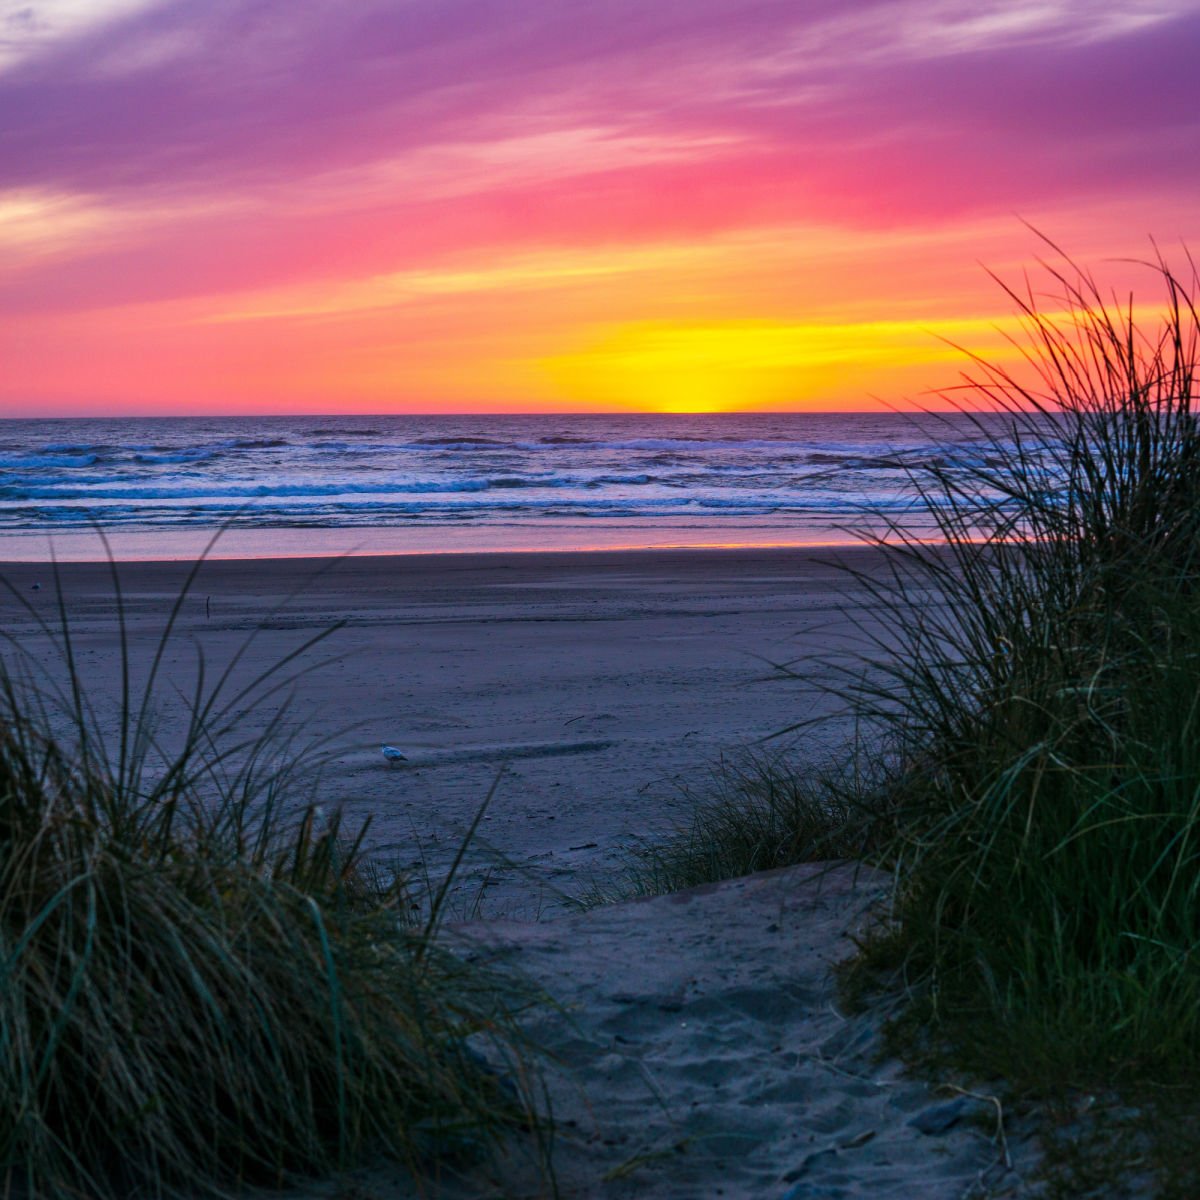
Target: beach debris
{"x": 505, "y": 751}
{"x": 392, "y": 754}
{"x": 37, "y": 587}
{"x": 939, "y": 1117}
{"x": 859, "y": 1139}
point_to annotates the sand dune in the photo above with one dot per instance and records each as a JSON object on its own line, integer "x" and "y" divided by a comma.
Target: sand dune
{"x": 700, "y": 1045}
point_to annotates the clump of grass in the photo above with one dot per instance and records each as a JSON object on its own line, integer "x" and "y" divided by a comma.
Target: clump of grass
{"x": 757, "y": 814}
{"x": 1044, "y": 712}
{"x": 200, "y": 991}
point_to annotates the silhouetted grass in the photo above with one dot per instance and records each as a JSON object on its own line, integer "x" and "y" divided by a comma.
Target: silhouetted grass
{"x": 1043, "y": 711}
{"x": 201, "y": 991}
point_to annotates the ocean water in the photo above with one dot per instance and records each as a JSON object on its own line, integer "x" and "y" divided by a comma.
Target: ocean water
{"x": 159, "y": 487}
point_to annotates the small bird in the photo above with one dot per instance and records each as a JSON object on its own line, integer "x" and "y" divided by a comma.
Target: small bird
{"x": 393, "y": 755}
{"x": 37, "y": 587}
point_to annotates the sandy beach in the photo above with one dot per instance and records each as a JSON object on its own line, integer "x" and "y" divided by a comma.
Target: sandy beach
{"x": 600, "y": 684}
{"x": 698, "y": 1042}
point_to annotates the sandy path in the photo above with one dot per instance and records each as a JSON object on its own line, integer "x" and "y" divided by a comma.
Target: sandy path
{"x": 704, "y": 1055}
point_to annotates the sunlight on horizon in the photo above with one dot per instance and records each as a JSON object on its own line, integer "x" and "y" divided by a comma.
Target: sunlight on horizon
{"x": 747, "y": 365}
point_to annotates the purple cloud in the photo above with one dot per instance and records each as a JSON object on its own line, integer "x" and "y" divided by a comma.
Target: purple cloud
{"x": 871, "y": 112}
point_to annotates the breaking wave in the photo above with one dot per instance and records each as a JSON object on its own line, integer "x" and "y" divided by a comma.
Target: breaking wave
{"x": 797, "y": 470}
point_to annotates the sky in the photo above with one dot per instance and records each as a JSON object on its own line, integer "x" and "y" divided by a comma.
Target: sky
{"x": 253, "y": 206}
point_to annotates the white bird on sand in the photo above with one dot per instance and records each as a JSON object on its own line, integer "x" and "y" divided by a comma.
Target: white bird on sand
{"x": 393, "y": 755}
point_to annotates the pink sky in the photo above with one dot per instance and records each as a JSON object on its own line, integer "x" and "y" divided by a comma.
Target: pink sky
{"x": 433, "y": 205}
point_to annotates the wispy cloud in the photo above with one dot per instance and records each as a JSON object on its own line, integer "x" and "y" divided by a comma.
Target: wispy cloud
{"x": 32, "y": 27}
{"x": 294, "y": 157}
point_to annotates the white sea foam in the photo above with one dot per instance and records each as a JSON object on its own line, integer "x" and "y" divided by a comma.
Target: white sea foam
{"x": 793, "y": 473}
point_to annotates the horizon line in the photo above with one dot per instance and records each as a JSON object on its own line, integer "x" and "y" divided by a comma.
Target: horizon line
{"x": 740, "y": 412}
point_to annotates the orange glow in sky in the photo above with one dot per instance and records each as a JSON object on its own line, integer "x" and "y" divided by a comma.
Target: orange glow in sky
{"x": 704, "y": 207}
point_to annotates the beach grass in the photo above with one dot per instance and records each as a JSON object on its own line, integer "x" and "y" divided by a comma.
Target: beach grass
{"x": 755, "y": 813}
{"x": 1027, "y": 762}
{"x": 1037, "y": 690}
{"x": 207, "y": 986}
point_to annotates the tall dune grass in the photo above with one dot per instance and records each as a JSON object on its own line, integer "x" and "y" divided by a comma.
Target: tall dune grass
{"x": 1043, "y": 710}
{"x": 756, "y": 813}
{"x": 202, "y": 988}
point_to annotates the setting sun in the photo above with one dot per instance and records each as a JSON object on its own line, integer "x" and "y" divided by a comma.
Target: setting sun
{"x": 665, "y": 219}
{"x": 745, "y": 364}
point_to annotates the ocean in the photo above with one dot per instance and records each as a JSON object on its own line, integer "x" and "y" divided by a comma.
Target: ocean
{"x": 282, "y": 486}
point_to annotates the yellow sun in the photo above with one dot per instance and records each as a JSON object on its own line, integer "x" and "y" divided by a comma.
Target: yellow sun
{"x": 737, "y": 364}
